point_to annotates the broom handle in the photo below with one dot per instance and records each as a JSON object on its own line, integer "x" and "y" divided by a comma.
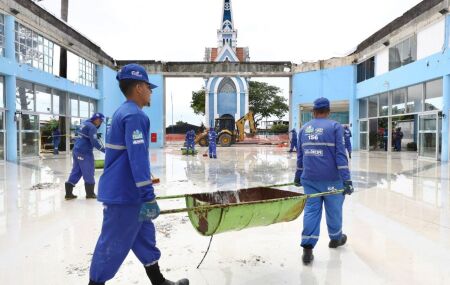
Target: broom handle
{"x": 184, "y": 195}
{"x": 222, "y": 206}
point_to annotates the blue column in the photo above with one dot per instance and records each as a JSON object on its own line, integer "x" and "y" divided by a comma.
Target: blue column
{"x": 101, "y": 101}
{"x": 10, "y": 84}
{"x": 446, "y": 99}
{"x": 445, "y": 119}
{"x": 354, "y": 113}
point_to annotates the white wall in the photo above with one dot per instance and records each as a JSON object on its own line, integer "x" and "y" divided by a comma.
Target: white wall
{"x": 382, "y": 62}
{"x": 430, "y": 40}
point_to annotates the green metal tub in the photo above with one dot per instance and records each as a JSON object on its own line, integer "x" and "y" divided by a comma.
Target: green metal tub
{"x": 247, "y": 208}
{"x": 218, "y": 212}
{"x": 99, "y": 163}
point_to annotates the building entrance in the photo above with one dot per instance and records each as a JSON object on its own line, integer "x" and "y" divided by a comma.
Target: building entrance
{"x": 430, "y": 136}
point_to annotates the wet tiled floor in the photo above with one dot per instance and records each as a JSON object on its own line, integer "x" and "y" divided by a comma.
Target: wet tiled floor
{"x": 398, "y": 223}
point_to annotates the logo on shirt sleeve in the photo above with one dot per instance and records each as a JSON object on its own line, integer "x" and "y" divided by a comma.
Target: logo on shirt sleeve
{"x": 138, "y": 137}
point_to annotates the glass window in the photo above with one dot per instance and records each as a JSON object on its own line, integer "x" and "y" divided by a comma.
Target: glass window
{"x": 87, "y": 72}
{"x": 433, "y": 95}
{"x": 92, "y": 108}
{"x": 2, "y": 35}
{"x": 403, "y": 53}
{"x": 33, "y": 49}
{"x": 74, "y": 105}
{"x": 2, "y": 93}
{"x": 2, "y": 145}
{"x": 414, "y": 103}
{"x": 30, "y": 122}
{"x": 30, "y": 144}
{"x": 59, "y": 102}
{"x": 2, "y": 114}
{"x": 363, "y": 126}
{"x": 363, "y": 108}
{"x": 373, "y": 106}
{"x": 365, "y": 70}
{"x": 43, "y": 99}
{"x": 383, "y": 103}
{"x": 84, "y": 109}
{"x": 24, "y": 96}
{"x": 398, "y": 101}
{"x": 427, "y": 123}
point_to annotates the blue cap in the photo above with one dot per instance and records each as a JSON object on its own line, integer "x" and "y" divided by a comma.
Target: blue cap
{"x": 98, "y": 116}
{"x": 134, "y": 71}
{"x": 321, "y": 103}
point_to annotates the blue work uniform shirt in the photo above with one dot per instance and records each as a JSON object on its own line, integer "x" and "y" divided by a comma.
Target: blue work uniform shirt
{"x": 87, "y": 139}
{"x": 212, "y": 137}
{"x": 126, "y": 178}
{"x": 321, "y": 155}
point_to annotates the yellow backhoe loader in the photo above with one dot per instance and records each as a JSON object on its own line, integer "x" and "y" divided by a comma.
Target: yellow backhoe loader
{"x": 228, "y": 131}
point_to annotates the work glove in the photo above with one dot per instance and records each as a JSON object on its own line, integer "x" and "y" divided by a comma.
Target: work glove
{"x": 348, "y": 187}
{"x": 297, "y": 181}
{"x": 149, "y": 211}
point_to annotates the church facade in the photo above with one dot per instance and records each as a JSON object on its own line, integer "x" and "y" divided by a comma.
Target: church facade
{"x": 226, "y": 97}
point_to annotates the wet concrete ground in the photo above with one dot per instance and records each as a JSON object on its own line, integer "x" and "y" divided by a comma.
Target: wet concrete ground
{"x": 397, "y": 221}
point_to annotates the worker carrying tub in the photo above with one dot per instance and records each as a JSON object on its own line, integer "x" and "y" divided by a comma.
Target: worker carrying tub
{"x": 322, "y": 166}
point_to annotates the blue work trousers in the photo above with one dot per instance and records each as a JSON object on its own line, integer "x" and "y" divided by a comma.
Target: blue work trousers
{"x": 313, "y": 211}
{"x": 212, "y": 150}
{"x": 348, "y": 146}
{"x": 83, "y": 165}
{"x": 293, "y": 145}
{"x": 190, "y": 146}
{"x": 121, "y": 232}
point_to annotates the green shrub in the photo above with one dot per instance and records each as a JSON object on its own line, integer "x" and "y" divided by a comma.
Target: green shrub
{"x": 279, "y": 129}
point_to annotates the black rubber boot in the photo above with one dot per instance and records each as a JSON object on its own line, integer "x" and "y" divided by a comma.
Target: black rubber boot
{"x": 90, "y": 194}
{"x": 155, "y": 276}
{"x": 334, "y": 243}
{"x": 69, "y": 190}
{"x": 95, "y": 283}
{"x": 307, "y": 256}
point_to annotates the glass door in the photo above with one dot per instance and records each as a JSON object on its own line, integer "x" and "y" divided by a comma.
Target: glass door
{"x": 363, "y": 133}
{"x": 429, "y": 135}
{"x": 28, "y": 135}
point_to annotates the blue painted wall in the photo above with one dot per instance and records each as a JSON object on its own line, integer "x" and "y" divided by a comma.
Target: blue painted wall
{"x": 426, "y": 69}
{"x": 336, "y": 84}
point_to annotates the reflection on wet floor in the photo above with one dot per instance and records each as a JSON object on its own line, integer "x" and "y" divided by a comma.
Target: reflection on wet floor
{"x": 398, "y": 221}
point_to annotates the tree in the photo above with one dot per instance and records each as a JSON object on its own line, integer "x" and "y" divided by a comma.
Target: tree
{"x": 198, "y": 102}
{"x": 181, "y": 123}
{"x": 264, "y": 101}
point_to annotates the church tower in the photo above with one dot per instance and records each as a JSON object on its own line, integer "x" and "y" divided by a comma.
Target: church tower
{"x": 226, "y": 96}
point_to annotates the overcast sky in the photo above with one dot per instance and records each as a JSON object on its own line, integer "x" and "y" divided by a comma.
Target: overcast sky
{"x": 179, "y": 30}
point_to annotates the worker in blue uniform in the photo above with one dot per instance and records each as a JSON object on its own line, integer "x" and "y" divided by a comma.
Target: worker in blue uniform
{"x": 56, "y": 138}
{"x": 398, "y": 136}
{"x": 293, "y": 140}
{"x": 348, "y": 143}
{"x": 83, "y": 157}
{"x": 212, "y": 136}
{"x": 126, "y": 189}
{"x": 322, "y": 166}
{"x": 190, "y": 142}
